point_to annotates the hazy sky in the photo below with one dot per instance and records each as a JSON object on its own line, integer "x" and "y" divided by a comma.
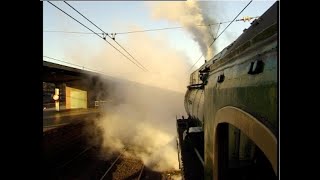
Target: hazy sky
{"x": 86, "y": 49}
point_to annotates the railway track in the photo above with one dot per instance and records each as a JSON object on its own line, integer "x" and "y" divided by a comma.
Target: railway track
{"x": 88, "y": 165}
{"x": 74, "y": 158}
{"x": 124, "y": 167}
{"x": 70, "y": 156}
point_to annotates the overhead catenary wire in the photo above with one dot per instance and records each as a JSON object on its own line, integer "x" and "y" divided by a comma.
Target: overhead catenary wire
{"x": 128, "y": 53}
{"x": 221, "y": 33}
{"x": 138, "y": 31}
{"x": 210, "y": 32}
{"x": 168, "y": 28}
{"x": 94, "y": 33}
{"x": 230, "y": 23}
{"x": 72, "y": 32}
{"x": 217, "y": 31}
{"x": 213, "y": 37}
{"x": 106, "y": 34}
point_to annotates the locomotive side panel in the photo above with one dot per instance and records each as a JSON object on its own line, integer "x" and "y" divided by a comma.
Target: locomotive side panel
{"x": 234, "y": 96}
{"x": 255, "y": 94}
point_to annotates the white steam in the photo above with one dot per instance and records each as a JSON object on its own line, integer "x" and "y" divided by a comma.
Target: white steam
{"x": 168, "y": 68}
{"x": 138, "y": 116}
{"x": 142, "y": 117}
{"x": 144, "y": 122}
{"x": 190, "y": 15}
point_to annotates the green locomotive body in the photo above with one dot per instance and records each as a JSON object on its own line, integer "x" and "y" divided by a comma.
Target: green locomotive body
{"x": 233, "y": 98}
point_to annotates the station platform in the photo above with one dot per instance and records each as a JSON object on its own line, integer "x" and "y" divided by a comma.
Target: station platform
{"x": 53, "y": 119}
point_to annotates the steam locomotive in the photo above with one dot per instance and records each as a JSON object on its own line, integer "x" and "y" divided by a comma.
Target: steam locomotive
{"x": 231, "y": 102}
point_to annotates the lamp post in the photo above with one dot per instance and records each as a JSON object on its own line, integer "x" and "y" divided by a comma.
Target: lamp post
{"x": 56, "y": 98}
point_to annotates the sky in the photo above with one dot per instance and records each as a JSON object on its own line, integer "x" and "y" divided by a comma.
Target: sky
{"x": 151, "y": 49}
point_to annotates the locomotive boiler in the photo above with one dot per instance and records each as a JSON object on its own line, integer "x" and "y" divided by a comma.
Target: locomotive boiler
{"x": 231, "y": 102}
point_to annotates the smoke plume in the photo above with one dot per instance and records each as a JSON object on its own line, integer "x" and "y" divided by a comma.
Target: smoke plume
{"x": 141, "y": 114}
{"x": 143, "y": 121}
{"x": 190, "y": 15}
{"x": 167, "y": 67}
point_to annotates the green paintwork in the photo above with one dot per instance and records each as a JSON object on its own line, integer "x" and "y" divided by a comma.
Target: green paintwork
{"x": 255, "y": 94}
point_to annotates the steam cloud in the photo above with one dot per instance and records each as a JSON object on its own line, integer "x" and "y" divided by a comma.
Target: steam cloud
{"x": 190, "y": 15}
{"x": 168, "y": 68}
{"x": 143, "y": 117}
{"x": 144, "y": 121}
